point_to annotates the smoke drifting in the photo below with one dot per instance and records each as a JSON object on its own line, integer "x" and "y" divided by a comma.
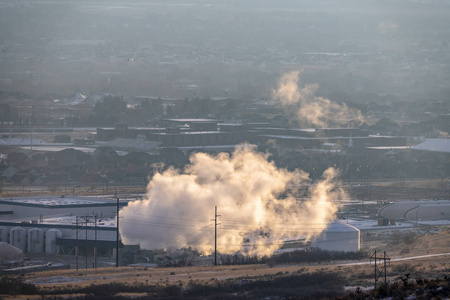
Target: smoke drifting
{"x": 178, "y": 208}
{"x": 307, "y": 109}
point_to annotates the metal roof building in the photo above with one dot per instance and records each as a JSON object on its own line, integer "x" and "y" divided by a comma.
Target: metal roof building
{"x": 417, "y": 210}
{"x": 435, "y": 145}
{"x": 57, "y": 225}
{"x": 34, "y": 208}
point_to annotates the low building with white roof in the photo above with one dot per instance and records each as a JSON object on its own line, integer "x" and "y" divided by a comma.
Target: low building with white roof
{"x": 59, "y": 225}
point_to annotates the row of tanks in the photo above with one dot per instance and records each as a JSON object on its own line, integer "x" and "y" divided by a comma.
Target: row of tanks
{"x": 31, "y": 240}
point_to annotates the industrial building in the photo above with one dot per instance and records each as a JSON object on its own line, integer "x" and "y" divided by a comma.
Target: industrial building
{"x": 35, "y": 208}
{"x": 338, "y": 237}
{"x": 212, "y": 133}
{"x": 59, "y": 225}
{"x": 417, "y": 211}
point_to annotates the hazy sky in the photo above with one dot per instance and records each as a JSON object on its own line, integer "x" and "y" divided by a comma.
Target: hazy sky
{"x": 232, "y": 48}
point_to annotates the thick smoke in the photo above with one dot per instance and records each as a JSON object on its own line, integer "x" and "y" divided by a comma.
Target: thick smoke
{"x": 255, "y": 202}
{"x": 307, "y": 109}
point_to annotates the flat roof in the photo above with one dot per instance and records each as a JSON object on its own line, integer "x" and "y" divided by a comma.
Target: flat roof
{"x": 192, "y": 120}
{"x": 57, "y": 148}
{"x": 191, "y": 133}
{"x": 71, "y": 220}
{"x": 436, "y": 145}
{"x": 212, "y": 147}
{"x": 294, "y": 137}
{"x": 57, "y": 201}
{"x": 390, "y": 148}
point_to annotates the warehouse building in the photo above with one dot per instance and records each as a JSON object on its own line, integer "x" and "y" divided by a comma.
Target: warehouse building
{"x": 432, "y": 210}
{"x": 35, "y": 208}
{"x": 59, "y": 225}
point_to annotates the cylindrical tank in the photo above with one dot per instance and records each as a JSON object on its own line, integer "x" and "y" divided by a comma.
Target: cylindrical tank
{"x": 50, "y": 241}
{"x": 4, "y": 234}
{"x": 338, "y": 237}
{"x": 35, "y": 240}
{"x": 18, "y": 238}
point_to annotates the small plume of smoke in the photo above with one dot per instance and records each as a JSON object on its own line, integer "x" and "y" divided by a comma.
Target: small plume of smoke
{"x": 308, "y": 109}
{"x": 179, "y": 207}
{"x": 386, "y": 26}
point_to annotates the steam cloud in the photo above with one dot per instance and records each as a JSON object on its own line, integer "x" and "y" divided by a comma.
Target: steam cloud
{"x": 308, "y": 109}
{"x": 179, "y": 207}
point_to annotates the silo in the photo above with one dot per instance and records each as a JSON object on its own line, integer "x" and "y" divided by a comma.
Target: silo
{"x": 50, "y": 240}
{"x": 35, "y": 240}
{"x": 338, "y": 237}
{"x": 18, "y": 238}
{"x": 4, "y": 234}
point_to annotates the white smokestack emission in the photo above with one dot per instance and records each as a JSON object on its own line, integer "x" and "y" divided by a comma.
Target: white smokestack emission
{"x": 179, "y": 207}
{"x": 308, "y": 109}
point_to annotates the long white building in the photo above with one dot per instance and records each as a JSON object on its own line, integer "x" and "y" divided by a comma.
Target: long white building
{"x": 58, "y": 225}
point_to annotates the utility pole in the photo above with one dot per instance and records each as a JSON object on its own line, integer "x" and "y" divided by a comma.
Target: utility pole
{"x": 85, "y": 244}
{"x": 76, "y": 246}
{"x": 87, "y": 220}
{"x": 117, "y": 234}
{"x": 95, "y": 243}
{"x": 380, "y": 271}
{"x": 215, "y": 234}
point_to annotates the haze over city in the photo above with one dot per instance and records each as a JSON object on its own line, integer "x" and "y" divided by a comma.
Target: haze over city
{"x": 296, "y": 141}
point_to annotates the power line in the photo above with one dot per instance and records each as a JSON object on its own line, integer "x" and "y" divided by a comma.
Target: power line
{"x": 188, "y": 235}
{"x": 380, "y": 271}
{"x": 158, "y": 224}
{"x": 215, "y": 234}
{"x": 165, "y": 217}
{"x": 117, "y": 234}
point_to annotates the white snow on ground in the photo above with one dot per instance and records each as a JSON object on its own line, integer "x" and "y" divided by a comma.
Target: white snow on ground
{"x": 435, "y": 223}
{"x": 21, "y": 141}
{"x": 370, "y": 224}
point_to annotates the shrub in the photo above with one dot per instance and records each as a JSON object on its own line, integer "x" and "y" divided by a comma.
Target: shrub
{"x": 409, "y": 238}
{"x": 315, "y": 255}
{"x": 16, "y": 286}
{"x": 403, "y": 268}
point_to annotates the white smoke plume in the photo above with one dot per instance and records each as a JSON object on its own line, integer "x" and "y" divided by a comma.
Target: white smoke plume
{"x": 179, "y": 207}
{"x": 308, "y": 109}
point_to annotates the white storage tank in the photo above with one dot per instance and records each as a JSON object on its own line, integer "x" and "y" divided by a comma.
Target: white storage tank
{"x": 338, "y": 237}
{"x": 35, "y": 240}
{"x": 50, "y": 241}
{"x": 4, "y": 234}
{"x": 18, "y": 238}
